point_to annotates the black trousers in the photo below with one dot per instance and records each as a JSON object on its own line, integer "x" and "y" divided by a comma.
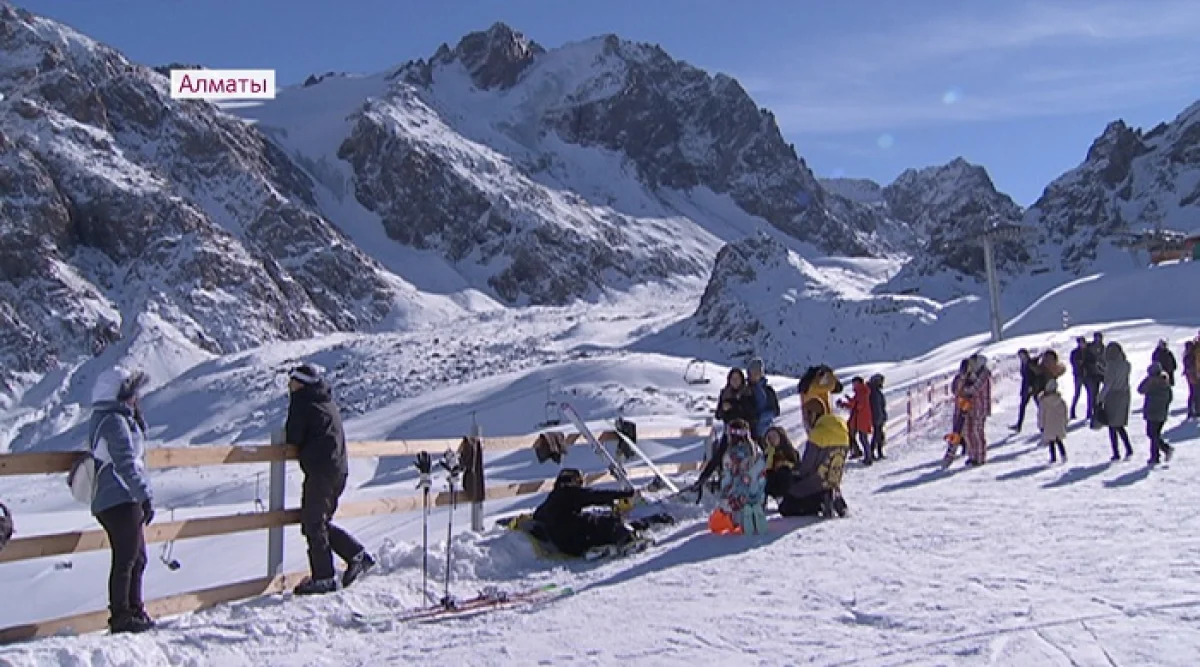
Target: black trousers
{"x": 123, "y": 525}
{"x": 588, "y": 531}
{"x": 807, "y": 506}
{"x": 1026, "y": 396}
{"x": 1154, "y": 432}
{"x": 1193, "y": 399}
{"x": 1092, "y": 386}
{"x": 318, "y": 503}
{"x": 1115, "y": 432}
{"x": 1061, "y": 450}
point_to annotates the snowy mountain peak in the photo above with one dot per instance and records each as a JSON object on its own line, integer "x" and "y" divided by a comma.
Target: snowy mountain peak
{"x": 1116, "y": 148}
{"x": 495, "y": 57}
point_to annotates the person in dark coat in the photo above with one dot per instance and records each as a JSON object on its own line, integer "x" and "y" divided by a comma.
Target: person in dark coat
{"x": 1166, "y": 359}
{"x": 879, "y": 414}
{"x": 1093, "y": 371}
{"x": 1156, "y": 387}
{"x": 6, "y": 526}
{"x": 1030, "y": 385}
{"x": 314, "y": 426}
{"x": 561, "y": 519}
{"x": 736, "y": 400}
{"x": 1077, "y": 372}
{"x": 766, "y": 402}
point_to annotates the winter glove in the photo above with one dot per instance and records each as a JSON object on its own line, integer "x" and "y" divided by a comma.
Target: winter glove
{"x": 147, "y": 512}
{"x": 624, "y": 505}
{"x": 424, "y": 463}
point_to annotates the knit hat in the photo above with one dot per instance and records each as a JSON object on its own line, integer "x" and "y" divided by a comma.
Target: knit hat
{"x": 1155, "y": 368}
{"x": 306, "y": 374}
{"x": 756, "y": 364}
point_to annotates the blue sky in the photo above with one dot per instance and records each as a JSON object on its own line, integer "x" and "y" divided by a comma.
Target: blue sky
{"x": 862, "y": 87}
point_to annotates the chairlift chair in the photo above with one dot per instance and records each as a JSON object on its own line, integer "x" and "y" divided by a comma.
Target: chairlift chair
{"x": 553, "y": 413}
{"x": 696, "y": 372}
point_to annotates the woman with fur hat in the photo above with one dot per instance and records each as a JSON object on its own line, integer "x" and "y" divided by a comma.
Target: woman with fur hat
{"x": 1052, "y": 420}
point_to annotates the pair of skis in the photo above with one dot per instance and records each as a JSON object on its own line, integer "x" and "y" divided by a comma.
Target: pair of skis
{"x": 614, "y": 467}
{"x": 489, "y": 599}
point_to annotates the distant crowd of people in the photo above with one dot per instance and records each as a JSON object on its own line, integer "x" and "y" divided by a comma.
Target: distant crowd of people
{"x": 1101, "y": 374}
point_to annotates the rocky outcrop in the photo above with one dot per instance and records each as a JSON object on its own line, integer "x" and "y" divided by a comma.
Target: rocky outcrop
{"x": 116, "y": 199}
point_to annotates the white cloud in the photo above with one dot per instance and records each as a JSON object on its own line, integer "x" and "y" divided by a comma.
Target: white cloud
{"x": 1028, "y": 61}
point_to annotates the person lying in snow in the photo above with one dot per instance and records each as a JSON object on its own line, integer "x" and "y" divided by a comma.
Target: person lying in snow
{"x": 815, "y": 485}
{"x": 562, "y": 521}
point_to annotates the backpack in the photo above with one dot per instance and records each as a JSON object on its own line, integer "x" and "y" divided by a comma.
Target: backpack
{"x": 83, "y": 478}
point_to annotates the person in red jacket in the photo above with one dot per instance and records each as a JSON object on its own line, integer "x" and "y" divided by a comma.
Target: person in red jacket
{"x": 860, "y": 421}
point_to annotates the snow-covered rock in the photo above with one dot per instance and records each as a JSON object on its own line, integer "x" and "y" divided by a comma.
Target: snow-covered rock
{"x": 116, "y": 200}
{"x": 1132, "y": 181}
{"x": 765, "y": 300}
{"x": 944, "y": 206}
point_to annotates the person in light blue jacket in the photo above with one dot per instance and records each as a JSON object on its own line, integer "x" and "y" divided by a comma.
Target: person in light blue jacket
{"x": 123, "y": 502}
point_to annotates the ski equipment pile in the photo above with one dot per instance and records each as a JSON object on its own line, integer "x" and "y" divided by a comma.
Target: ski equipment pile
{"x": 659, "y": 477}
{"x": 614, "y": 467}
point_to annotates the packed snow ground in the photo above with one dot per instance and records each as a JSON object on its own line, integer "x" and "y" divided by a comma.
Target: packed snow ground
{"x": 1014, "y": 563}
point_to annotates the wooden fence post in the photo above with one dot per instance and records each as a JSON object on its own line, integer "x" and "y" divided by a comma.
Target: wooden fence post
{"x": 477, "y": 505}
{"x": 277, "y": 491}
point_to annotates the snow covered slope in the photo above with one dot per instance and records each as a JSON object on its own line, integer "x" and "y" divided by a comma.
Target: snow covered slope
{"x": 1011, "y": 564}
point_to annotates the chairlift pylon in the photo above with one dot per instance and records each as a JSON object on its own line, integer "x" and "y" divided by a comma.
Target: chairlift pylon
{"x": 696, "y": 372}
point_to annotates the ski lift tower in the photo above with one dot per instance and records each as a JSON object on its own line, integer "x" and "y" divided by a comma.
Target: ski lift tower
{"x": 995, "y": 230}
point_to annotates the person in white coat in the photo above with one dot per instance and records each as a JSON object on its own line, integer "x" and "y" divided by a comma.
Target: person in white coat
{"x": 1052, "y": 420}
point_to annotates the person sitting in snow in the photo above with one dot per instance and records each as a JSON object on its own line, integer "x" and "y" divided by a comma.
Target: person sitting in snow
{"x": 860, "y": 420}
{"x": 879, "y": 415}
{"x": 1052, "y": 420}
{"x": 818, "y": 382}
{"x": 562, "y": 521}
{"x": 782, "y": 458}
{"x": 1156, "y": 387}
{"x": 766, "y": 403}
{"x": 815, "y": 485}
{"x": 743, "y": 484}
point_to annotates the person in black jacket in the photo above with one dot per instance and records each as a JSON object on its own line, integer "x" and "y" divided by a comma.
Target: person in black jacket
{"x": 1166, "y": 359}
{"x": 736, "y": 400}
{"x": 1029, "y": 386}
{"x": 1093, "y": 371}
{"x": 879, "y": 415}
{"x": 561, "y": 519}
{"x": 1077, "y": 371}
{"x": 314, "y": 426}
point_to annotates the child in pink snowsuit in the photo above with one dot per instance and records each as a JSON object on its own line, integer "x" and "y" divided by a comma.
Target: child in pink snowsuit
{"x": 981, "y": 409}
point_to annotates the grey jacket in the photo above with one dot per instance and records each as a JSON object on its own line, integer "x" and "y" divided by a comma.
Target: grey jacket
{"x": 120, "y": 452}
{"x": 1115, "y": 393}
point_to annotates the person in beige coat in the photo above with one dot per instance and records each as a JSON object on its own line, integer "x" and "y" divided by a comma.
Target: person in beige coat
{"x": 1052, "y": 420}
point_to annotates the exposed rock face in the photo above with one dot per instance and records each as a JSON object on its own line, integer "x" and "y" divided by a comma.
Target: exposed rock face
{"x": 117, "y": 200}
{"x": 946, "y": 206}
{"x": 1131, "y": 181}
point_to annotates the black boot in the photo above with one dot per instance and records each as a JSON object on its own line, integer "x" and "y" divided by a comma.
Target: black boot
{"x": 126, "y": 621}
{"x": 312, "y": 586}
{"x": 357, "y": 567}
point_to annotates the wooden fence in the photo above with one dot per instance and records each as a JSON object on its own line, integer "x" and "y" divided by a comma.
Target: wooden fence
{"x": 916, "y": 403}
{"x": 275, "y": 518}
